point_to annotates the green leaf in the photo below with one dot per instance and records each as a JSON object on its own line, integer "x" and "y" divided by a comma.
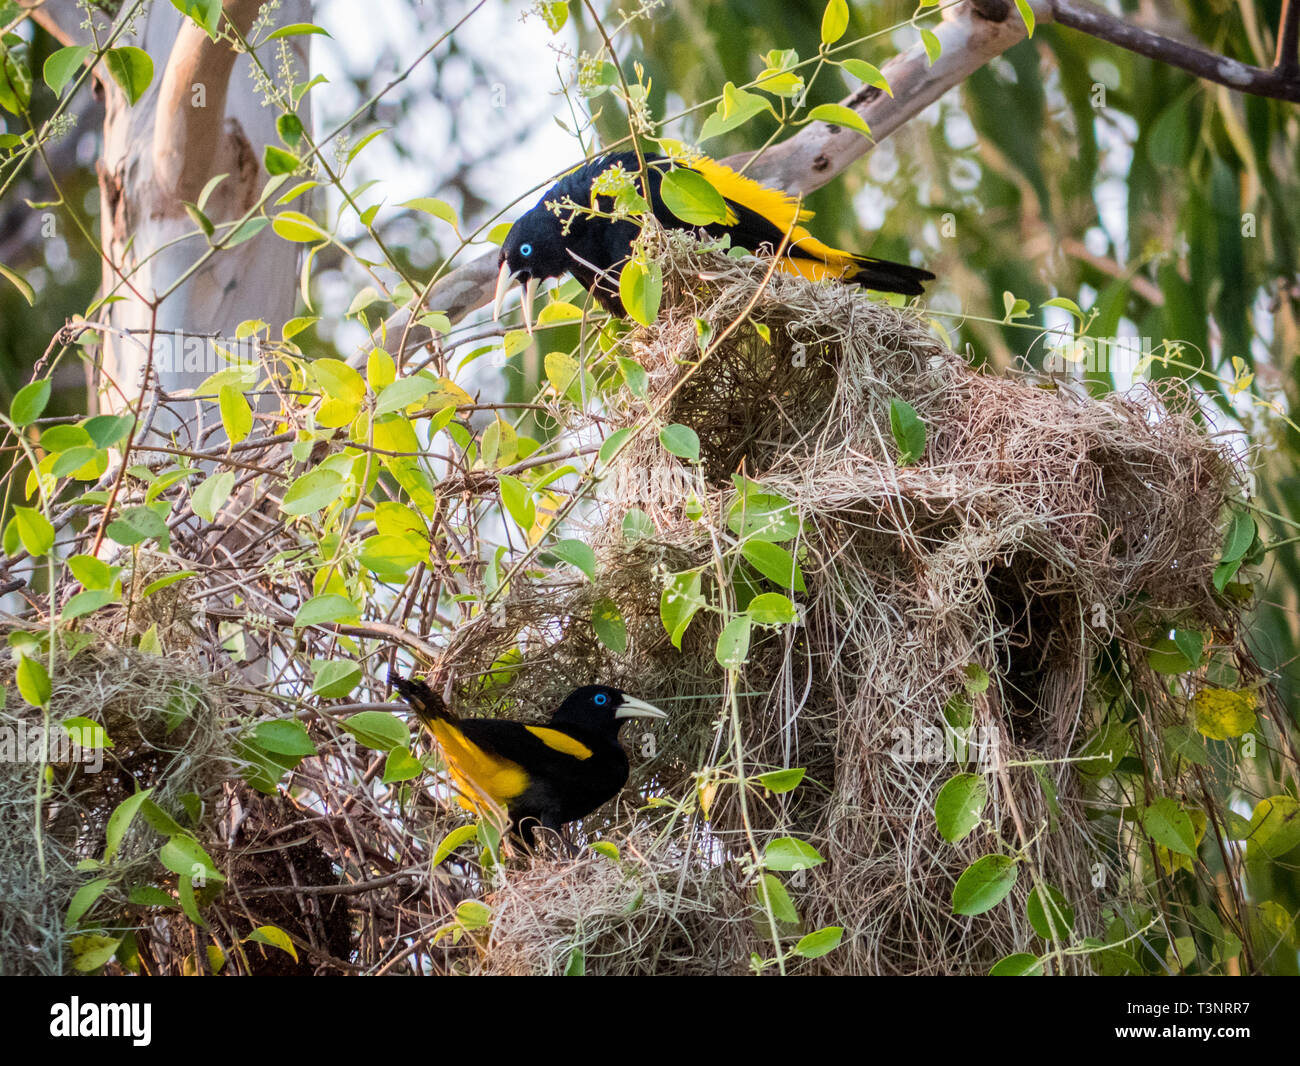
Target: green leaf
{"x": 132, "y": 69}
{"x": 29, "y": 402}
{"x": 87, "y": 602}
{"x": 402, "y": 393}
{"x": 86, "y": 733}
{"x": 736, "y": 107}
{"x": 835, "y": 21}
{"x": 236, "y": 415}
{"x": 613, "y": 443}
{"x": 205, "y": 13}
{"x": 984, "y": 884}
{"x": 453, "y": 840}
{"x": 34, "y": 530}
{"x": 772, "y": 896}
{"x": 1191, "y": 644}
{"x": 1169, "y": 825}
{"x": 401, "y": 765}
{"x": 278, "y": 161}
{"x": 135, "y": 525}
{"x": 635, "y": 376}
{"x": 1222, "y": 714}
{"x": 120, "y": 821}
{"x": 284, "y": 737}
{"x": 518, "y": 500}
{"x": 763, "y": 516}
{"x": 1017, "y": 965}
{"x": 338, "y": 380}
{"x": 576, "y": 553}
{"x": 184, "y": 856}
{"x": 790, "y": 853}
{"x": 681, "y": 441}
{"x": 772, "y": 609}
{"x": 91, "y": 952}
{"x": 1166, "y": 657}
{"x": 335, "y": 677}
{"x": 839, "y": 115}
{"x": 289, "y": 127}
{"x": 1051, "y": 904}
{"x": 822, "y": 942}
{"x": 1026, "y": 15}
{"x": 378, "y": 729}
{"x": 62, "y": 66}
{"x": 678, "y": 603}
{"x": 430, "y": 205}
{"x": 777, "y": 781}
{"x": 297, "y": 227}
{"x": 774, "y": 563}
{"x": 328, "y": 608}
{"x": 641, "y": 287}
{"x": 314, "y": 490}
{"x": 959, "y": 805}
{"x": 20, "y": 283}
{"x": 689, "y": 196}
{"x": 296, "y": 29}
{"x": 209, "y": 497}
{"x": 865, "y": 72}
{"x": 1274, "y": 826}
{"x": 84, "y": 899}
{"x": 908, "y": 431}
{"x": 1239, "y": 537}
{"x": 556, "y": 14}
{"x": 107, "y": 430}
{"x": 273, "y": 936}
{"x": 637, "y": 525}
{"x": 933, "y": 47}
{"x": 607, "y": 621}
{"x": 733, "y": 643}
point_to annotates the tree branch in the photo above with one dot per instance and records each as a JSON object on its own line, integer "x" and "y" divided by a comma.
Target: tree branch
{"x": 1279, "y": 82}
{"x": 187, "y": 138}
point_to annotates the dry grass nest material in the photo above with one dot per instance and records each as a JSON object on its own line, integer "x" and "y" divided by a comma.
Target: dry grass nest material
{"x": 1039, "y": 524}
{"x": 165, "y": 721}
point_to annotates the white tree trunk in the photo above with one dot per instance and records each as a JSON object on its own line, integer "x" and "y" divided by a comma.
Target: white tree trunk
{"x": 201, "y": 116}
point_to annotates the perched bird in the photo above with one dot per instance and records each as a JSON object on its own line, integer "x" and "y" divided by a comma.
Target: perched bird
{"x": 594, "y": 248}
{"x": 541, "y": 775}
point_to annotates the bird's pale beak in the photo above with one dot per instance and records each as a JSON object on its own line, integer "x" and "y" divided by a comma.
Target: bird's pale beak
{"x": 530, "y": 293}
{"x": 504, "y": 278}
{"x": 631, "y": 707}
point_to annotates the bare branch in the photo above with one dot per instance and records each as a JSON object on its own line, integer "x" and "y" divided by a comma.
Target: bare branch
{"x": 1279, "y": 82}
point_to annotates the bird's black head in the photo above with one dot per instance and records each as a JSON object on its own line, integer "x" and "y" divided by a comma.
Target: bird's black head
{"x": 533, "y": 251}
{"x": 600, "y": 709}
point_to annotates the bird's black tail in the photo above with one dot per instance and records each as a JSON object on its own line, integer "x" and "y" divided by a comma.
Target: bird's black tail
{"x": 882, "y": 275}
{"x": 417, "y": 695}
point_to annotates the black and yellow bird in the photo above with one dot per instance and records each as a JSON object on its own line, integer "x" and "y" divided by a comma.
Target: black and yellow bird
{"x": 540, "y": 775}
{"x": 548, "y": 241}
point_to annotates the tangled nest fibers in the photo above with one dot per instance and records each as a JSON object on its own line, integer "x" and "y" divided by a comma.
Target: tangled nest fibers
{"x": 165, "y": 721}
{"x": 1040, "y": 525}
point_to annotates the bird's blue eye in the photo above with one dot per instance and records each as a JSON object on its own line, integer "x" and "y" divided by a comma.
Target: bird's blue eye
{"x": 525, "y": 250}
{"x": 601, "y": 699}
